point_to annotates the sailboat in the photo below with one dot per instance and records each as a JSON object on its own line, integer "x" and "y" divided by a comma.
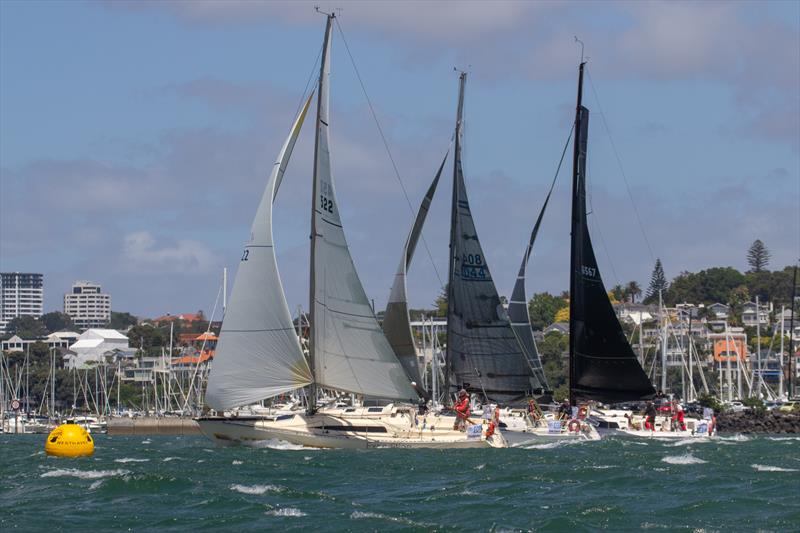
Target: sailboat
{"x": 259, "y": 355}
{"x": 602, "y": 364}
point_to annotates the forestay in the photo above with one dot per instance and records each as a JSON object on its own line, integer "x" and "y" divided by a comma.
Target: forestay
{"x": 349, "y": 349}
{"x": 483, "y": 353}
{"x": 258, "y": 355}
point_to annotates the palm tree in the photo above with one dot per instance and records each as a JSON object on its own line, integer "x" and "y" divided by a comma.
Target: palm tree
{"x": 633, "y": 290}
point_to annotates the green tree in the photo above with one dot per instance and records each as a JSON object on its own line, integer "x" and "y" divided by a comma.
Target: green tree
{"x": 619, "y": 293}
{"x": 27, "y": 327}
{"x": 122, "y": 321}
{"x": 758, "y": 256}
{"x": 634, "y": 290}
{"x": 441, "y": 302}
{"x": 658, "y": 283}
{"x": 543, "y": 308}
{"x": 56, "y": 321}
{"x": 707, "y": 286}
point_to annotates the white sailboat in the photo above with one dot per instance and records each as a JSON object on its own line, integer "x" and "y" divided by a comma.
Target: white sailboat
{"x": 259, "y": 354}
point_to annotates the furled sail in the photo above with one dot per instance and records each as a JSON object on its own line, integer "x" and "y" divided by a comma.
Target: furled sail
{"x": 259, "y": 354}
{"x": 348, "y": 347}
{"x": 603, "y": 366}
{"x": 396, "y": 322}
{"x": 483, "y": 353}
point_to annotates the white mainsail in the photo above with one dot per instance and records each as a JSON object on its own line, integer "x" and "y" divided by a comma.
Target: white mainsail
{"x": 258, "y": 355}
{"x": 349, "y": 350}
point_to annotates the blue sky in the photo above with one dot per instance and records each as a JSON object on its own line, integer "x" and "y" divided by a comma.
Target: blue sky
{"x": 136, "y": 137}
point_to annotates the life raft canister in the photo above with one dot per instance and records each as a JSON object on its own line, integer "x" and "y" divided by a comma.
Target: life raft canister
{"x": 69, "y": 440}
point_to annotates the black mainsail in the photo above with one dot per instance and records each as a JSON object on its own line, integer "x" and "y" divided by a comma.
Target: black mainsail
{"x": 603, "y": 366}
{"x": 483, "y": 354}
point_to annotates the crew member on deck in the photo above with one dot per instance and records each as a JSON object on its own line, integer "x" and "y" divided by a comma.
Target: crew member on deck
{"x": 650, "y": 417}
{"x": 462, "y": 411}
{"x": 677, "y": 418}
{"x": 565, "y": 410}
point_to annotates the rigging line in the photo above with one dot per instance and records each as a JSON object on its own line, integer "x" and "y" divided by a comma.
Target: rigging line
{"x": 386, "y": 145}
{"x": 308, "y": 82}
{"x": 621, "y": 169}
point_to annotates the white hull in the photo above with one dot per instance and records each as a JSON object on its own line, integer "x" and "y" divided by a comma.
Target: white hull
{"x": 616, "y": 422}
{"x": 350, "y": 428}
{"x": 519, "y": 429}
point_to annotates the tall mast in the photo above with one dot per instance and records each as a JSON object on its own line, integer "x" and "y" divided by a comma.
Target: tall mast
{"x": 578, "y": 211}
{"x": 462, "y": 80}
{"x": 792, "y": 358}
{"x": 322, "y": 101}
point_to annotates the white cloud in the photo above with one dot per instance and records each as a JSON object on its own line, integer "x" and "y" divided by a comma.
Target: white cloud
{"x": 140, "y": 251}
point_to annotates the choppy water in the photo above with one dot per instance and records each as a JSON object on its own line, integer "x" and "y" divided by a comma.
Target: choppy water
{"x": 185, "y": 483}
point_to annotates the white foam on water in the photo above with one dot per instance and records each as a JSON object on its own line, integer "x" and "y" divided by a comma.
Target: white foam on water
{"x": 168, "y": 459}
{"x": 467, "y": 492}
{"x": 550, "y": 445}
{"x": 480, "y": 467}
{"x": 237, "y": 462}
{"x": 603, "y": 467}
{"x": 130, "y": 460}
{"x": 286, "y": 511}
{"x": 275, "y": 444}
{"x": 776, "y": 438}
{"x": 356, "y": 515}
{"x": 201, "y": 460}
{"x": 767, "y": 468}
{"x": 734, "y": 438}
{"x": 685, "y": 459}
{"x": 255, "y": 489}
{"x": 96, "y": 484}
{"x": 147, "y": 442}
{"x": 307, "y": 458}
{"x": 84, "y": 474}
{"x": 688, "y": 440}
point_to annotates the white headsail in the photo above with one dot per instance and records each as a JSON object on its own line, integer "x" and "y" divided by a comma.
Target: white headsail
{"x": 349, "y": 349}
{"x": 258, "y": 355}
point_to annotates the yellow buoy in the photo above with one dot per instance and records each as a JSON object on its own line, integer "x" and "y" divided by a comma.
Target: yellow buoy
{"x": 69, "y": 440}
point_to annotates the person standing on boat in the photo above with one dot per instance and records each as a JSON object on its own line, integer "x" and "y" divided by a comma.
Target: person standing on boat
{"x": 462, "y": 410}
{"x": 565, "y": 410}
{"x": 677, "y": 418}
{"x": 650, "y": 417}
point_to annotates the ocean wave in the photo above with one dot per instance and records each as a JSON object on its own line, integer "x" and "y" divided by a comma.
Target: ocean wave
{"x": 256, "y": 489}
{"x": 237, "y": 462}
{"x": 147, "y": 441}
{"x": 357, "y": 515}
{"x": 767, "y": 468}
{"x": 480, "y": 466}
{"x": 130, "y": 460}
{"x": 783, "y": 438}
{"x": 168, "y": 459}
{"x": 685, "y": 459}
{"x": 602, "y": 467}
{"x": 84, "y": 474}
{"x": 551, "y": 445}
{"x": 688, "y": 440}
{"x": 286, "y": 511}
{"x": 275, "y": 444}
{"x": 734, "y": 438}
{"x": 96, "y": 484}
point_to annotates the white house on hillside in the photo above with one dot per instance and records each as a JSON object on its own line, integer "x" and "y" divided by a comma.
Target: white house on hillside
{"x": 94, "y": 345}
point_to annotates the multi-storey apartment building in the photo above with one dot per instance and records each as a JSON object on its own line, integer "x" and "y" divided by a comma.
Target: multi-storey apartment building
{"x": 87, "y": 305}
{"x": 21, "y": 293}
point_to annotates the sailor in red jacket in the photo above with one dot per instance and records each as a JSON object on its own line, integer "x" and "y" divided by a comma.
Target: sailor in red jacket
{"x": 462, "y": 410}
{"x": 677, "y": 418}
